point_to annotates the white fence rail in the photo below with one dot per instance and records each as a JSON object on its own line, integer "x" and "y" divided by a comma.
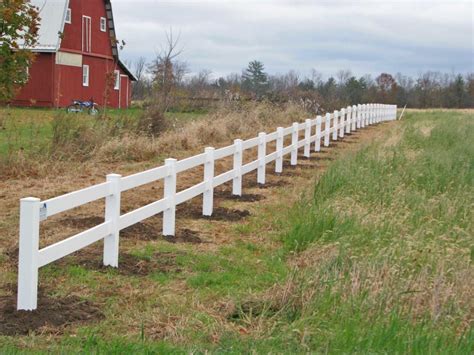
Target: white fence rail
{"x": 33, "y": 210}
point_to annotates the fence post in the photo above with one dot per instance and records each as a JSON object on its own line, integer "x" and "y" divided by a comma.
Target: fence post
{"x": 317, "y": 144}
{"x": 208, "y": 196}
{"x": 307, "y": 138}
{"x": 342, "y": 124}
{"x": 262, "y": 153}
{"x": 112, "y": 215}
{"x": 279, "y": 150}
{"x": 349, "y": 119}
{"x": 27, "y": 296}
{"x": 367, "y": 115}
{"x": 359, "y": 116}
{"x": 335, "y": 126}
{"x": 327, "y": 128}
{"x": 354, "y": 118}
{"x": 237, "y": 181}
{"x": 169, "y": 215}
{"x": 294, "y": 143}
{"x": 371, "y": 114}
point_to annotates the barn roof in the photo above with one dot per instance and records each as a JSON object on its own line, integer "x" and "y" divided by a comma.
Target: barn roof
{"x": 52, "y": 14}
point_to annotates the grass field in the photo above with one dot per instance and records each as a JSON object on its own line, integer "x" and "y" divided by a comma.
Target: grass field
{"x": 32, "y": 129}
{"x": 375, "y": 255}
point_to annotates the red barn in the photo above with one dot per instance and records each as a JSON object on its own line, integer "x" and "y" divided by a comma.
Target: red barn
{"x": 77, "y": 57}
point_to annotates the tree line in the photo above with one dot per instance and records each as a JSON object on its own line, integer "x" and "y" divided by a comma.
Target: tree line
{"x": 429, "y": 90}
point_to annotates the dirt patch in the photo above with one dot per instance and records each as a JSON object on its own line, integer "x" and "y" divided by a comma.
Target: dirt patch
{"x": 141, "y": 231}
{"x": 138, "y": 231}
{"x": 268, "y": 184}
{"x": 219, "y": 213}
{"x": 244, "y": 198}
{"x": 52, "y": 316}
{"x": 227, "y": 214}
{"x": 248, "y": 198}
{"x": 129, "y": 265}
{"x": 185, "y": 236}
{"x": 82, "y": 222}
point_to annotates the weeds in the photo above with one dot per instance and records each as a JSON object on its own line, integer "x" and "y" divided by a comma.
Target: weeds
{"x": 35, "y": 148}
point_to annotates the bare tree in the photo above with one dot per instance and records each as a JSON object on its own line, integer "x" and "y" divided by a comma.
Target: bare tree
{"x": 343, "y": 76}
{"x": 140, "y": 68}
{"x": 199, "y": 84}
{"x": 167, "y": 71}
{"x": 316, "y": 77}
{"x": 140, "y": 86}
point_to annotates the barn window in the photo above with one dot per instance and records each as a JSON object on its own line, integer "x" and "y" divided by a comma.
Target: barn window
{"x": 103, "y": 24}
{"x": 117, "y": 80}
{"x": 68, "y": 16}
{"x": 85, "y": 75}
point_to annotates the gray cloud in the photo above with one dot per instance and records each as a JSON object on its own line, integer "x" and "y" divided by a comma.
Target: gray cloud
{"x": 363, "y": 36}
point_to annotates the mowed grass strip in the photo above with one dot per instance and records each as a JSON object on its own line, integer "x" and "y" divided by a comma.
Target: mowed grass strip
{"x": 382, "y": 251}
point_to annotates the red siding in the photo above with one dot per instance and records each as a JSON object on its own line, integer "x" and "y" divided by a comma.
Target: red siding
{"x": 58, "y": 85}
{"x": 72, "y": 39}
{"x": 39, "y": 89}
{"x": 69, "y": 83}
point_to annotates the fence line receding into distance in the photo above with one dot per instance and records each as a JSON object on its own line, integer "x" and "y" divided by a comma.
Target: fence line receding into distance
{"x": 33, "y": 210}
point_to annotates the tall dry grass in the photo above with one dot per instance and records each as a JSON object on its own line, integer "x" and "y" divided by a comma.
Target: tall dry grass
{"x": 75, "y": 140}
{"x": 218, "y": 128}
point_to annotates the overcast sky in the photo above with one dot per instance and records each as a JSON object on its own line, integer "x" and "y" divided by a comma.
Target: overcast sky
{"x": 359, "y": 35}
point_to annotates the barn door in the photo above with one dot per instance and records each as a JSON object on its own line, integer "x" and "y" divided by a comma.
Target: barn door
{"x": 86, "y": 34}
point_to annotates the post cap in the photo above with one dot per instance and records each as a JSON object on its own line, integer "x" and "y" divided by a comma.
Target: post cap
{"x": 30, "y": 200}
{"x": 114, "y": 176}
{"x": 170, "y": 161}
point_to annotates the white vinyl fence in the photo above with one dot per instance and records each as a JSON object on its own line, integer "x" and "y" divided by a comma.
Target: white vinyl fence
{"x": 33, "y": 211}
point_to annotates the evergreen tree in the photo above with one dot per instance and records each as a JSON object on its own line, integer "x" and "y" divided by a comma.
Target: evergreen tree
{"x": 254, "y": 79}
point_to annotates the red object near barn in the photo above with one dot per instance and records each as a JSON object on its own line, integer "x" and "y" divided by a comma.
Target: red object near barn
{"x": 77, "y": 57}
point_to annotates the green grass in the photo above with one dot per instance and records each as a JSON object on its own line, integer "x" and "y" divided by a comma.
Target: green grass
{"x": 31, "y": 130}
{"x": 396, "y": 221}
{"x": 377, "y": 257}
{"x": 406, "y": 209}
